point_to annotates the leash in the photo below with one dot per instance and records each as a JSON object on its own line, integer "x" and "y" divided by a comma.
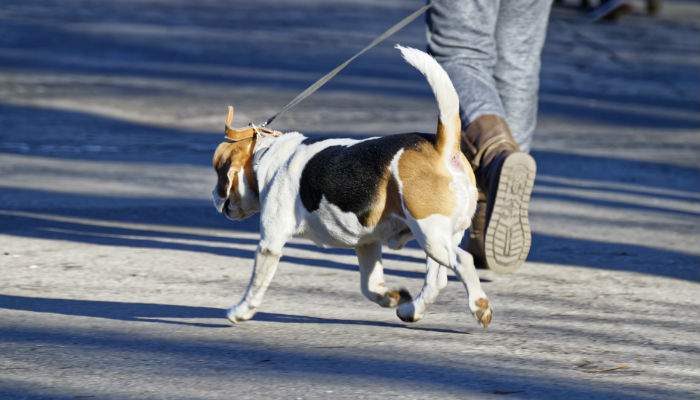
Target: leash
{"x": 236, "y": 135}
{"x": 324, "y": 79}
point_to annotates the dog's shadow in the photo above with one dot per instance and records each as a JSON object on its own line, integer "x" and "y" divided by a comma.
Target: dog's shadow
{"x": 172, "y": 314}
{"x": 301, "y": 319}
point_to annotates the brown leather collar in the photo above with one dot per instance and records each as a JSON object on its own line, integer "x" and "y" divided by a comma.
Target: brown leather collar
{"x": 249, "y": 132}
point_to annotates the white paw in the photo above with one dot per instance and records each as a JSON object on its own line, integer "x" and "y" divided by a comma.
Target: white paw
{"x": 407, "y": 312}
{"x": 240, "y": 312}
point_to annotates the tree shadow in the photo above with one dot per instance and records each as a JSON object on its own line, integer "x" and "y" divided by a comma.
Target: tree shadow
{"x": 277, "y": 49}
{"x": 272, "y": 50}
{"x": 459, "y": 377}
{"x": 79, "y": 135}
{"x": 614, "y": 256}
{"x": 644, "y": 174}
{"x": 546, "y": 248}
{"x": 39, "y": 226}
{"x": 76, "y": 135}
{"x": 83, "y": 136}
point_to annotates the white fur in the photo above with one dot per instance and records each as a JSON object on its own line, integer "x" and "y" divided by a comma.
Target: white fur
{"x": 440, "y": 83}
{"x": 414, "y": 310}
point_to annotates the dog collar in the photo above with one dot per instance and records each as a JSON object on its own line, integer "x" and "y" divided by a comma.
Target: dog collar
{"x": 249, "y": 132}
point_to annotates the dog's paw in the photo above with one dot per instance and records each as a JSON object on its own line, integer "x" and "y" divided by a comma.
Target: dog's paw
{"x": 239, "y": 313}
{"x": 396, "y": 297}
{"x": 407, "y": 312}
{"x": 481, "y": 309}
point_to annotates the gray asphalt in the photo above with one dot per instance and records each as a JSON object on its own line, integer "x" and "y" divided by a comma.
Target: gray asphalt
{"x": 115, "y": 269}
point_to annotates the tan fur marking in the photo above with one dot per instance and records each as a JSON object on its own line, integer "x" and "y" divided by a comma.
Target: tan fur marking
{"x": 387, "y": 201}
{"x": 484, "y": 314}
{"x": 443, "y": 137}
{"x": 426, "y": 182}
{"x": 482, "y": 303}
{"x": 394, "y": 296}
{"x": 397, "y": 297}
{"x": 229, "y": 158}
{"x": 250, "y": 173}
{"x": 441, "y": 144}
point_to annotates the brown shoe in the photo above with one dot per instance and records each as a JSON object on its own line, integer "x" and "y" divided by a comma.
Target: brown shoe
{"x": 500, "y": 236}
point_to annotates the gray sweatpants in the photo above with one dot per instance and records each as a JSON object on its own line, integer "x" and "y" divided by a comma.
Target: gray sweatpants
{"x": 491, "y": 50}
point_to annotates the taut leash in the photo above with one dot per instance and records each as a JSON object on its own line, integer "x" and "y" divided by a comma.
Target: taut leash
{"x": 322, "y": 81}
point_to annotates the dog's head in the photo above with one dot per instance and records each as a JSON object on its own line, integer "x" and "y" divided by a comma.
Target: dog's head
{"x": 236, "y": 192}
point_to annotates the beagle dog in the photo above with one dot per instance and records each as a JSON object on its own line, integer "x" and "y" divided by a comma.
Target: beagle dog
{"x": 359, "y": 194}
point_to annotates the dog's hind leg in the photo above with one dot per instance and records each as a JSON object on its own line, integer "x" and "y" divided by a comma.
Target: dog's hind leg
{"x": 442, "y": 277}
{"x": 263, "y": 271}
{"x": 434, "y": 234}
{"x": 372, "y": 277}
{"x": 413, "y": 311}
{"x": 479, "y": 304}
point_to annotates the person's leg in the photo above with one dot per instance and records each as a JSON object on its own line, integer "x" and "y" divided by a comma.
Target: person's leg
{"x": 500, "y": 236}
{"x": 520, "y": 33}
{"x": 461, "y": 37}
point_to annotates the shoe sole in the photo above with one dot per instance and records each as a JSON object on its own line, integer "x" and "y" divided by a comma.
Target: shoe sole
{"x": 508, "y": 236}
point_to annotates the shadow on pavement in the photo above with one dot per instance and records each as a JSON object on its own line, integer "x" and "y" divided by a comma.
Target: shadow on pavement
{"x": 81, "y": 232}
{"x": 84, "y": 136}
{"x": 185, "y": 355}
{"x": 644, "y": 174}
{"x": 159, "y": 313}
{"x": 136, "y": 52}
{"x": 546, "y": 248}
{"x": 614, "y": 256}
{"x": 77, "y": 135}
{"x": 279, "y": 49}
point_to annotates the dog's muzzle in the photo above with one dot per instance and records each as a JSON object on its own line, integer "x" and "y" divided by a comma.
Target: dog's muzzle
{"x": 219, "y": 203}
{"x": 223, "y": 206}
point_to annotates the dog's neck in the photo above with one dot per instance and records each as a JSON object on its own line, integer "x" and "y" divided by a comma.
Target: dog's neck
{"x": 262, "y": 145}
{"x": 272, "y": 152}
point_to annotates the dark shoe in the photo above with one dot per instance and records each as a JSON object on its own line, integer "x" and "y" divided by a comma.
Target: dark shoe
{"x": 610, "y": 10}
{"x": 653, "y": 7}
{"x": 477, "y": 232}
{"x": 500, "y": 236}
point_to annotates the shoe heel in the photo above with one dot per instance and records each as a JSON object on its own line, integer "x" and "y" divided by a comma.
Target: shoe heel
{"x": 508, "y": 236}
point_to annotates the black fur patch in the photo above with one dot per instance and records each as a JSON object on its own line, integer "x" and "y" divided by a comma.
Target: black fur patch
{"x": 348, "y": 175}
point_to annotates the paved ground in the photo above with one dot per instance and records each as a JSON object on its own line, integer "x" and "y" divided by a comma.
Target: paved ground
{"x": 115, "y": 268}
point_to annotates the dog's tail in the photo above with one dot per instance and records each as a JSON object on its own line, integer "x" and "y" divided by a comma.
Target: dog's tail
{"x": 449, "y": 124}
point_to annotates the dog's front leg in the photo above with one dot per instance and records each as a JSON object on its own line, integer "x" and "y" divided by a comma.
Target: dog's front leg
{"x": 263, "y": 272}
{"x": 372, "y": 283}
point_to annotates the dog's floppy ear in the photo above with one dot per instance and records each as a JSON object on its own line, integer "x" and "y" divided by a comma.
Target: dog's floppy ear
{"x": 222, "y": 164}
{"x": 237, "y": 134}
{"x": 229, "y": 158}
